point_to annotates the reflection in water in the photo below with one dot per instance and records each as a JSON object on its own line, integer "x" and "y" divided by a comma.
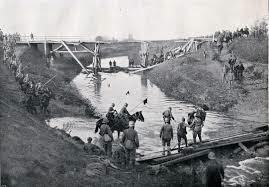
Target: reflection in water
{"x": 144, "y": 81}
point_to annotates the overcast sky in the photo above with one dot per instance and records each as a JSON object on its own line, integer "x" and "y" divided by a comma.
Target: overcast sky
{"x": 145, "y": 19}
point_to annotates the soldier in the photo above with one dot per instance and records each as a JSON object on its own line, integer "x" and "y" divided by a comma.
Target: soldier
{"x": 107, "y": 137}
{"x": 241, "y": 69}
{"x": 214, "y": 172}
{"x": 30, "y": 89}
{"x": 166, "y": 135}
{"x": 131, "y": 143}
{"x": 38, "y": 89}
{"x": 196, "y": 126}
{"x": 91, "y": 148}
{"x": 168, "y": 114}
{"x": 26, "y": 79}
{"x": 124, "y": 110}
{"x": 182, "y": 132}
{"x": 111, "y": 112}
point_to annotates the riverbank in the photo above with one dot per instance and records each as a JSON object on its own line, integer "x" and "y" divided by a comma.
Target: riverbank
{"x": 68, "y": 101}
{"x": 199, "y": 81}
{"x": 33, "y": 154}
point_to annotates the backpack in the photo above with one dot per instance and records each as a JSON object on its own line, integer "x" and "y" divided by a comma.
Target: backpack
{"x": 201, "y": 114}
{"x": 129, "y": 144}
{"x": 107, "y": 138}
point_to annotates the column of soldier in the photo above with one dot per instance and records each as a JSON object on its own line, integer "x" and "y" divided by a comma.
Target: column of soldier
{"x": 36, "y": 93}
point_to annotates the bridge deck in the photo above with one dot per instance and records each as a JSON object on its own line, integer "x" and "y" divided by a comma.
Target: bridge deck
{"x": 55, "y": 42}
{"x": 253, "y": 136}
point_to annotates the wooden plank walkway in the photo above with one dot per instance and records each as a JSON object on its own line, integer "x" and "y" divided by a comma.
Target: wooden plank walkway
{"x": 217, "y": 143}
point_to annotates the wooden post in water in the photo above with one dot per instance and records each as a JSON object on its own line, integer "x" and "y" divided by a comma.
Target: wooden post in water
{"x": 144, "y": 53}
{"x": 96, "y": 59}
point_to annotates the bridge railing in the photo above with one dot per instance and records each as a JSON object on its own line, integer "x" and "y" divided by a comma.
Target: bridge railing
{"x": 26, "y": 38}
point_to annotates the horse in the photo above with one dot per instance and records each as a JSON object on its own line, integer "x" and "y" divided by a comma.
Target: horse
{"x": 120, "y": 122}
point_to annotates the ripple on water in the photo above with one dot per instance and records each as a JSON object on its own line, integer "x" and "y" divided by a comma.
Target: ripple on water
{"x": 248, "y": 171}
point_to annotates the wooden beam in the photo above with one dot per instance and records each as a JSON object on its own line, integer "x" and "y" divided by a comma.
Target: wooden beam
{"x": 86, "y": 48}
{"x": 185, "y": 158}
{"x": 255, "y": 139}
{"x": 245, "y": 149}
{"x": 58, "y": 48}
{"x": 72, "y": 51}
{"x": 68, "y": 49}
{"x": 216, "y": 143}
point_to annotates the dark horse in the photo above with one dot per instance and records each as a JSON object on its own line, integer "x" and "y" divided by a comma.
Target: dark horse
{"x": 120, "y": 122}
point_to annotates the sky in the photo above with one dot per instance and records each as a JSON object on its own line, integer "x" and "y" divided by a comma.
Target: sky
{"x": 144, "y": 19}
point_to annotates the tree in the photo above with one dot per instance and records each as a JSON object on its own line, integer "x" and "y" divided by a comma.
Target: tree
{"x": 99, "y": 38}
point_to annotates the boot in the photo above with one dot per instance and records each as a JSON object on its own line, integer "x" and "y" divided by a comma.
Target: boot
{"x": 163, "y": 153}
{"x": 169, "y": 150}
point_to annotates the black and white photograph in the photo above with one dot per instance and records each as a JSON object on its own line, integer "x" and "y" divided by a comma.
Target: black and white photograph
{"x": 134, "y": 93}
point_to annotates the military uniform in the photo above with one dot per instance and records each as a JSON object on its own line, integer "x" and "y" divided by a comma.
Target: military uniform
{"x": 107, "y": 145}
{"x": 166, "y": 134}
{"x": 131, "y": 143}
{"x": 181, "y": 133}
{"x": 214, "y": 174}
{"x": 197, "y": 128}
{"x": 124, "y": 111}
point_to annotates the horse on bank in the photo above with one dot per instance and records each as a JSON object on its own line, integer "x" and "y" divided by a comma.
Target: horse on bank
{"x": 120, "y": 122}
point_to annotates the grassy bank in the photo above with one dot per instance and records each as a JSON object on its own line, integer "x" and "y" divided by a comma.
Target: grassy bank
{"x": 251, "y": 49}
{"x": 193, "y": 80}
{"x": 199, "y": 81}
{"x": 33, "y": 154}
{"x": 67, "y": 102}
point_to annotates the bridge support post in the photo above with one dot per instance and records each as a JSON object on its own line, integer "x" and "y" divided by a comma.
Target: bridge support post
{"x": 96, "y": 59}
{"x": 47, "y": 48}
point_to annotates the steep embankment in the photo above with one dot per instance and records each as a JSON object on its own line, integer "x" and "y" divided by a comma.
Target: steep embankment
{"x": 67, "y": 100}
{"x": 253, "y": 97}
{"x": 199, "y": 81}
{"x": 194, "y": 79}
{"x": 33, "y": 154}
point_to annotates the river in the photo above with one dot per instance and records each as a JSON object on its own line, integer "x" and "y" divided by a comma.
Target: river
{"x": 112, "y": 88}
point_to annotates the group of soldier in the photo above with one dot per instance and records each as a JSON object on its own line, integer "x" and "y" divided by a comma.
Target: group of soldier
{"x": 27, "y": 85}
{"x": 112, "y": 64}
{"x": 236, "y": 67}
{"x": 233, "y": 71}
{"x": 130, "y": 141}
{"x": 195, "y": 122}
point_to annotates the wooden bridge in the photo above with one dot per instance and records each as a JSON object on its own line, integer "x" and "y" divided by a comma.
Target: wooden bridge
{"x": 76, "y": 44}
{"x": 63, "y": 45}
{"x": 259, "y": 135}
{"x": 191, "y": 44}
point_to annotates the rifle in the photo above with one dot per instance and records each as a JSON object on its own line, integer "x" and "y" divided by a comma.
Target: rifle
{"x": 50, "y": 80}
